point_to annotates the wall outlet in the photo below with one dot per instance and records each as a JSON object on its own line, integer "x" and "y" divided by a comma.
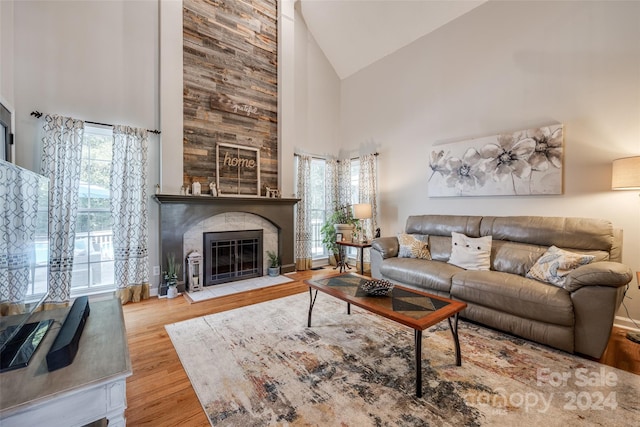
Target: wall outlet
{"x": 156, "y": 270}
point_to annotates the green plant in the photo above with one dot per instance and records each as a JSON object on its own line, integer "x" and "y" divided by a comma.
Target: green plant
{"x": 172, "y": 271}
{"x": 274, "y": 259}
{"x": 342, "y": 215}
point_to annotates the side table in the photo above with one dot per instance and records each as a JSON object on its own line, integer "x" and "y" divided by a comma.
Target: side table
{"x": 360, "y": 247}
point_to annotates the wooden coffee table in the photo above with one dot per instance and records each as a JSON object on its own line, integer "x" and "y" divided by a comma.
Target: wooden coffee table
{"x": 412, "y": 308}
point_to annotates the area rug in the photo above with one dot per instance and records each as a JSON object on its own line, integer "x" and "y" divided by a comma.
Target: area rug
{"x": 261, "y": 365}
{"x": 230, "y": 288}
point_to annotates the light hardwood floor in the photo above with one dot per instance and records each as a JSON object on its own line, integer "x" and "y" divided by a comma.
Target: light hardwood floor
{"x": 159, "y": 392}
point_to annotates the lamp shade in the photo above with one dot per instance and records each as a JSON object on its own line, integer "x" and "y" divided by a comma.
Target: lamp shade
{"x": 362, "y": 211}
{"x": 626, "y": 174}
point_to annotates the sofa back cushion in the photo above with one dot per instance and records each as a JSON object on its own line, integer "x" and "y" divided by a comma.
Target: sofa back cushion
{"x": 577, "y": 233}
{"x": 443, "y": 225}
{"x": 440, "y": 248}
{"x": 513, "y": 257}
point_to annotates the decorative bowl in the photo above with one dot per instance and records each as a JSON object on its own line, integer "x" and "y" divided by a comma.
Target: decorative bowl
{"x": 377, "y": 288}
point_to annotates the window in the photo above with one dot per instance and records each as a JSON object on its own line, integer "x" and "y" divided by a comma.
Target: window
{"x": 318, "y": 208}
{"x": 318, "y": 214}
{"x": 93, "y": 252}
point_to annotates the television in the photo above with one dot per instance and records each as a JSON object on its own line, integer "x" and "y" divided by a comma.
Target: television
{"x": 24, "y": 263}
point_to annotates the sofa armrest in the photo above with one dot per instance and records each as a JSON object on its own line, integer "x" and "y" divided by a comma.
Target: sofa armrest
{"x": 387, "y": 246}
{"x": 603, "y": 273}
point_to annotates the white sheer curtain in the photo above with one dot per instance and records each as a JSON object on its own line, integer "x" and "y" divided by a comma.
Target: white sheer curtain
{"x": 129, "y": 211}
{"x": 303, "y": 213}
{"x": 338, "y": 190}
{"x": 367, "y": 185}
{"x": 61, "y": 158}
{"x": 332, "y": 192}
{"x": 368, "y": 192}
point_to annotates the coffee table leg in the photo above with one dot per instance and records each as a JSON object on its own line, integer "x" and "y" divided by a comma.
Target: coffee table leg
{"x": 418, "y": 338}
{"x": 348, "y": 308}
{"x": 454, "y": 330}
{"x": 312, "y": 301}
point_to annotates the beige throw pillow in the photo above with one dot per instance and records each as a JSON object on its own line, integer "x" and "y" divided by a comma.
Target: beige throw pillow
{"x": 470, "y": 253}
{"x": 555, "y": 264}
{"x": 414, "y": 246}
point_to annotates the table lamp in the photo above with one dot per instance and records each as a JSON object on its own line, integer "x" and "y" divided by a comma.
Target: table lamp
{"x": 362, "y": 211}
{"x": 626, "y": 176}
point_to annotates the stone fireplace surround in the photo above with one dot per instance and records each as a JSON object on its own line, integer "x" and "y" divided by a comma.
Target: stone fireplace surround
{"x": 235, "y": 222}
{"x": 182, "y": 217}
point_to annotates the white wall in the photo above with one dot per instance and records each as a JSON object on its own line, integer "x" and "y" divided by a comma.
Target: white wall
{"x": 6, "y": 60}
{"x": 96, "y": 61}
{"x": 171, "y": 82}
{"x": 317, "y": 102}
{"x": 507, "y": 66}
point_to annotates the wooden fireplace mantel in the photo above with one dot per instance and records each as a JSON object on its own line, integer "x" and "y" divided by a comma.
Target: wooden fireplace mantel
{"x": 179, "y": 213}
{"x": 224, "y": 200}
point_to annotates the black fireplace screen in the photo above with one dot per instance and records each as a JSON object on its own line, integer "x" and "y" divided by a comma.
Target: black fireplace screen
{"x": 232, "y": 255}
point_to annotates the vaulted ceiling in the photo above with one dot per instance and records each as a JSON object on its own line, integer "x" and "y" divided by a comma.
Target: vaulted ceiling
{"x": 356, "y": 33}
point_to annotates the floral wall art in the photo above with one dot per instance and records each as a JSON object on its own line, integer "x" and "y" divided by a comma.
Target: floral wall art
{"x": 522, "y": 163}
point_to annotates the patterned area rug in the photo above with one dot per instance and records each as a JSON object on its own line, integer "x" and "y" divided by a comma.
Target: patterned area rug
{"x": 260, "y": 365}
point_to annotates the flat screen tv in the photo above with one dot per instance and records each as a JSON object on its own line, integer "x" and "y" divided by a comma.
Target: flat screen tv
{"x": 24, "y": 262}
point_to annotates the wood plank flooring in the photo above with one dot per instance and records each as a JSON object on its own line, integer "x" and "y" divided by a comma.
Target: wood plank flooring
{"x": 159, "y": 392}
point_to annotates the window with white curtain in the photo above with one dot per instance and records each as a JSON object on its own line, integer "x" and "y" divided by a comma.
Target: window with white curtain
{"x": 318, "y": 208}
{"x": 93, "y": 250}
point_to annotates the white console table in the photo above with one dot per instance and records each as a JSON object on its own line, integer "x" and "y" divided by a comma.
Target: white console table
{"x": 91, "y": 388}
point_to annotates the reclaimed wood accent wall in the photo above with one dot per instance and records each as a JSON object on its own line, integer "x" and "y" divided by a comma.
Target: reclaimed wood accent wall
{"x": 230, "y": 90}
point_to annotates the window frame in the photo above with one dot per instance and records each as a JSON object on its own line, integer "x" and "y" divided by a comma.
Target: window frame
{"x": 90, "y": 255}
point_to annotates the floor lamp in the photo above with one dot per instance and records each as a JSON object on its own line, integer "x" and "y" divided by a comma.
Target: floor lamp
{"x": 626, "y": 176}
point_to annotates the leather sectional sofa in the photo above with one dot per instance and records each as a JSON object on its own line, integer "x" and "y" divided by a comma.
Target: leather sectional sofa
{"x": 576, "y": 316}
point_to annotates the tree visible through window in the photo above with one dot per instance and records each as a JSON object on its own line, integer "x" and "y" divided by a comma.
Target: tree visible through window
{"x": 93, "y": 253}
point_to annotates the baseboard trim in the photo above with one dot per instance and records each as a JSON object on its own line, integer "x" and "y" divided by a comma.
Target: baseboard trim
{"x": 626, "y": 323}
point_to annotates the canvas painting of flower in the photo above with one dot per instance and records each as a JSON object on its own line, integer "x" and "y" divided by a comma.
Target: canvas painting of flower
{"x": 522, "y": 163}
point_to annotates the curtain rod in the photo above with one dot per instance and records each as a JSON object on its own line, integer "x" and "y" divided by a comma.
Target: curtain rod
{"x": 324, "y": 158}
{"x": 38, "y": 114}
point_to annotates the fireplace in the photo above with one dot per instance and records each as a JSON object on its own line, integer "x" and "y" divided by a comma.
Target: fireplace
{"x": 232, "y": 255}
{"x": 180, "y": 215}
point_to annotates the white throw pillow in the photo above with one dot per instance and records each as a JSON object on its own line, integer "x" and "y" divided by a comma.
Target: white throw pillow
{"x": 470, "y": 253}
{"x": 555, "y": 264}
{"x": 413, "y": 246}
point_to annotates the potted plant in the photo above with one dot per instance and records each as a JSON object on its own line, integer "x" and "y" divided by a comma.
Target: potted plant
{"x": 171, "y": 275}
{"x": 274, "y": 264}
{"x": 340, "y": 221}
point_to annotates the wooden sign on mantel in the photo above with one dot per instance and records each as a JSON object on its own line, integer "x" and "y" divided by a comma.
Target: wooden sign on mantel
{"x": 237, "y": 170}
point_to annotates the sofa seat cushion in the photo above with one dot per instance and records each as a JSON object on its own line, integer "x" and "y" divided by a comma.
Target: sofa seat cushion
{"x": 526, "y": 298}
{"x": 421, "y": 273}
